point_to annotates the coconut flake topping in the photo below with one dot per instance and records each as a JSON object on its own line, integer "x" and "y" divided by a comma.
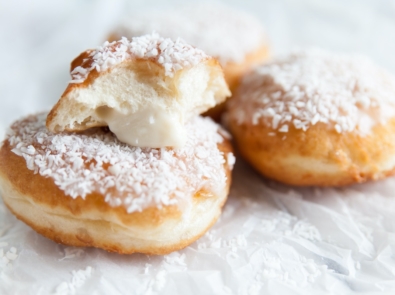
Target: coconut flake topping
{"x": 137, "y": 178}
{"x": 172, "y": 55}
{"x": 222, "y": 32}
{"x": 307, "y": 87}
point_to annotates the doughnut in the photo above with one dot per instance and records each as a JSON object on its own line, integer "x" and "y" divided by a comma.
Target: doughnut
{"x": 89, "y": 189}
{"x": 316, "y": 118}
{"x": 151, "y": 82}
{"x": 236, "y": 38}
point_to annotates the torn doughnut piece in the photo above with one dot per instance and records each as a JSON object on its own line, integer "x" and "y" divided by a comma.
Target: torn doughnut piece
{"x": 144, "y": 90}
{"x": 154, "y": 184}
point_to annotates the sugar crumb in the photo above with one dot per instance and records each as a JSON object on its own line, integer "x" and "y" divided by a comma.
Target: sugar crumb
{"x": 307, "y": 87}
{"x": 171, "y": 55}
{"x": 139, "y": 177}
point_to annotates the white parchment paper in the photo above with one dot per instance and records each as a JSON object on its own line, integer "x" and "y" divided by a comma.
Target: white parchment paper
{"x": 271, "y": 238}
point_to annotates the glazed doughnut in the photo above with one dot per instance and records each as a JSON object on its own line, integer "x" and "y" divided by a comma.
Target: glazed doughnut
{"x": 237, "y": 39}
{"x": 315, "y": 118}
{"x": 89, "y": 189}
{"x": 151, "y": 82}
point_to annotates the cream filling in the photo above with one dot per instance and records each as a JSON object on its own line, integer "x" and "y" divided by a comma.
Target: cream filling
{"x": 148, "y": 127}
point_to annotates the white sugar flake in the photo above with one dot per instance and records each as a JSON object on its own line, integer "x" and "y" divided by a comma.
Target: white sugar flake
{"x": 136, "y": 178}
{"x": 78, "y": 279}
{"x": 171, "y": 55}
{"x": 348, "y": 93}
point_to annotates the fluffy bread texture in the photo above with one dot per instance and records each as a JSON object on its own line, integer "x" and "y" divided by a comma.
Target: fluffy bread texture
{"x": 313, "y": 118}
{"x": 41, "y": 202}
{"x": 169, "y": 76}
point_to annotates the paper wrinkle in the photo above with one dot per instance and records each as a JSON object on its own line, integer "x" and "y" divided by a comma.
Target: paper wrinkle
{"x": 272, "y": 237}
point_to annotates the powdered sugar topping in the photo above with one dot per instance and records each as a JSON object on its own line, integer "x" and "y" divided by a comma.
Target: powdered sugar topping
{"x": 137, "y": 178}
{"x": 219, "y": 30}
{"x": 172, "y": 55}
{"x": 349, "y": 93}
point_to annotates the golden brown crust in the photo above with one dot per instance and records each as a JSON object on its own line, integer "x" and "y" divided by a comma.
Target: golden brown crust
{"x": 318, "y": 156}
{"x": 82, "y": 59}
{"x": 82, "y": 239}
{"x": 85, "y": 60}
{"x": 20, "y": 186}
{"x": 43, "y": 190}
{"x": 113, "y": 37}
{"x": 234, "y": 71}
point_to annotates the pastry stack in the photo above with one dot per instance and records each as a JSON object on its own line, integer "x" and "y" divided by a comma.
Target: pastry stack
{"x": 123, "y": 161}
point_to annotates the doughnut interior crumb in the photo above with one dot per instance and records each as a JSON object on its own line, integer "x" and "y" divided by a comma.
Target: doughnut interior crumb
{"x": 147, "y": 80}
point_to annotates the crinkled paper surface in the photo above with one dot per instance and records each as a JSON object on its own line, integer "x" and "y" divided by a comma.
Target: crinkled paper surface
{"x": 271, "y": 238}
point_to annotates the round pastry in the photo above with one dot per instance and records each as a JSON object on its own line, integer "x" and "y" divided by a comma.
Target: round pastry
{"x": 316, "y": 118}
{"x": 237, "y": 39}
{"x": 149, "y": 82}
{"x": 89, "y": 189}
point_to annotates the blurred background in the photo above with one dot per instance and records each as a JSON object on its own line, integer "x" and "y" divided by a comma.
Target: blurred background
{"x": 41, "y": 37}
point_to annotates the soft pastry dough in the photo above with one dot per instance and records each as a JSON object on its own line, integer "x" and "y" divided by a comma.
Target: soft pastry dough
{"x": 89, "y": 189}
{"x": 316, "y": 118}
{"x": 235, "y": 38}
{"x": 123, "y": 161}
{"x": 152, "y": 83}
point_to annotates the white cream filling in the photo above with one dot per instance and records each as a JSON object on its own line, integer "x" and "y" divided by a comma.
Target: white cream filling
{"x": 141, "y": 106}
{"x": 148, "y": 127}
